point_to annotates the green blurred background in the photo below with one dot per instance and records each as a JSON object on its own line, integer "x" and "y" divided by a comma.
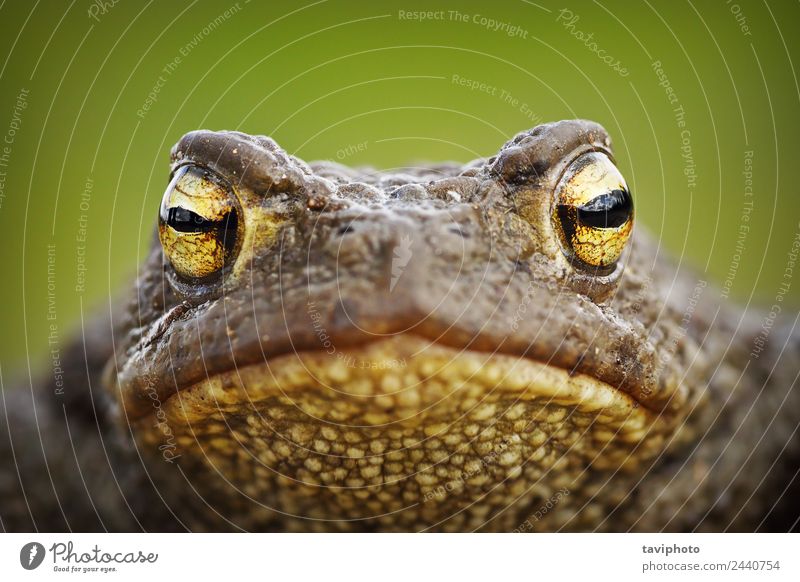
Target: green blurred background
{"x": 362, "y": 83}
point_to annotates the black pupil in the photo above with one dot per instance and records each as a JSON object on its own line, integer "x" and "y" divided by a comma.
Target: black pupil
{"x": 183, "y": 220}
{"x": 610, "y": 210}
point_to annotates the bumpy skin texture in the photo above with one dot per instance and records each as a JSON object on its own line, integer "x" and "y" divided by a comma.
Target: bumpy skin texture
{"x": 412, "y": 351}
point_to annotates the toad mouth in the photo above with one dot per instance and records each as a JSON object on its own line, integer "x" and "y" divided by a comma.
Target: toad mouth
{"x": 406, "y": 379}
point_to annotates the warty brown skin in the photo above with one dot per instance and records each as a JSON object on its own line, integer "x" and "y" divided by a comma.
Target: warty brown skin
{"x": 488, "y": 281}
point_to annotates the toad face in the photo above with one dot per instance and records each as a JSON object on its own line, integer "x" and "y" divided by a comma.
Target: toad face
{"x": 442, "y": 347}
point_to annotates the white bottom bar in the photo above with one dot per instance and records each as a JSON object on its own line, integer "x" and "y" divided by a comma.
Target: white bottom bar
{"x": 402, "y": 557}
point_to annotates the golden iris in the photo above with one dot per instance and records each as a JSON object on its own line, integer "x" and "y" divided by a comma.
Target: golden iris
{"x": 593, "y": 211}
{"x": 198, "y": 223}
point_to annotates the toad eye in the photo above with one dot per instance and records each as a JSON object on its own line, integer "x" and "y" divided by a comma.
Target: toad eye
{"x": 199, "y": 223}
{"x": 593, "y": 212}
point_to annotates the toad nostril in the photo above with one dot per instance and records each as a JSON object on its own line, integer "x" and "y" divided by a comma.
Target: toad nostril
{"x": 457, "y": 230}
{"x": 345, "y": 229}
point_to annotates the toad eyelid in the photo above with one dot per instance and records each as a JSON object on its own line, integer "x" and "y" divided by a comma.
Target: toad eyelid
{"x": 578, "y": 153}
